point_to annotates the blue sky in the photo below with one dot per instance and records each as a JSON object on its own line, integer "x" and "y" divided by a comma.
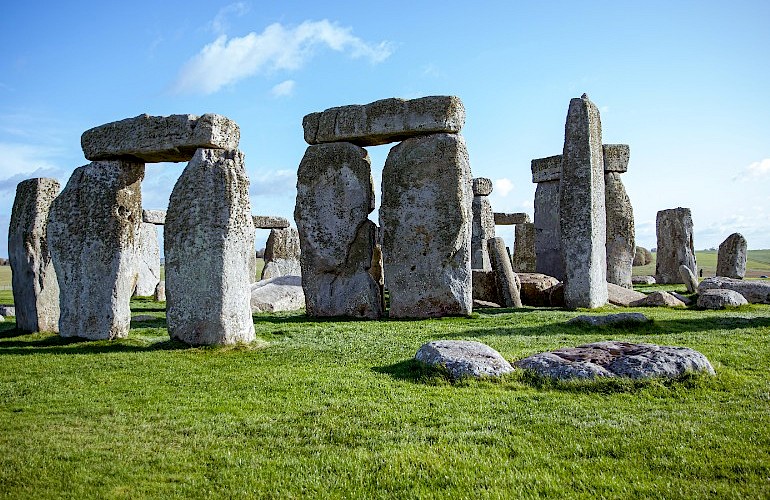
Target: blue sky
{"x": 684, "y": 83}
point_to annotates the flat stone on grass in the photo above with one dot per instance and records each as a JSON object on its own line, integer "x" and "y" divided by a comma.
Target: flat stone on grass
{"x": 464, "y": 358}
{"x": 716, "y": 298}
{"x": 754, "y": 291}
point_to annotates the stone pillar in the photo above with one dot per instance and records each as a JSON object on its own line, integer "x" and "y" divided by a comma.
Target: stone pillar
{"x": 208, "y": 240}
{"x": 674, "y": 230}
{"x": 582, "y": 214}
{"x": 508, "y": 284}
{"x": 282, "y": 254}
{"x": 731, "y": 258}
{"x": 426, "y": 219}
{"x": 620, "y": 243}
{"x": 524, "y": 258}
{"x": 334, "y": 199}
{"x": 148, "y": 259}
{"x": 546, "y": 173}
{"x": 92, "y": 228}
{"x": 483, "y": 226}
{"x": 35, "y": 288}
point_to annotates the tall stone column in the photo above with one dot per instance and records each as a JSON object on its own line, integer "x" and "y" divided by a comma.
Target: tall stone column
{"x": 483, "y": 227}
{"x": 620, "y": 216}
{"x": 731, "y": 258}
{"x": 35, "y": 288}
{"x": 674, "y": 231}
{"x": 148, "y": 260}
{"x": 546, "y": 173}
{"x": 582, "y": 213}
{"x": 524, "y": 257}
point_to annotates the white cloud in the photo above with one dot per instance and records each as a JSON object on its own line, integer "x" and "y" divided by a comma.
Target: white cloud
{"x": 283, "y": 89}
{"x": 274, "y": 183}
{"x": 759, "y": 168}
{"x": 226, "y": 61}
{"x": 23, "y": 160}
{"x": 502, "y": 187}
{"x": 220, "y": 23}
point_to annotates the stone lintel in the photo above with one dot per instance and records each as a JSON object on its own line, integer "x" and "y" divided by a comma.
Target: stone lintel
{"x": 503, "y": 219}
{"x": 157, "y": 217}
{"x": 482, "y": 186}
{"x": 616, "y": 157}
{"x": 270, "y": 222}
{"x": 546, "y": 169}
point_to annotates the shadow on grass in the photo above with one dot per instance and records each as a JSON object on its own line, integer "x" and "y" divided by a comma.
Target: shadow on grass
{"x": 411, "y": 370}
{"x": 54, "y": 344}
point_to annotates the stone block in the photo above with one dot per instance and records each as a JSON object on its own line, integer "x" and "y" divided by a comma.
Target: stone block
{"x": 157, "y": 217}
{"x": 511, "y": 219}
{"x": 731, "y": 258}
{"x": 270, "y": 222}
{"x": 524, "y": 258}
{"x": 546, "y": 169}
{"x": 282, "y": 254}
{"x": 616, "y": 157}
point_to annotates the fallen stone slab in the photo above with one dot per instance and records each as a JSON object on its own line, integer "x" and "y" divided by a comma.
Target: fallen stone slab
{"x": 157, "y": 217}
{"x": 643, "y": 280}
{"x": 511, "y": 219}
{"x": 282, "y": 293}
{"x": 483, "y": 304}
{"x": 536, "y": 288}
{"x": 754, "y": 291}
{"x": 681, "y": 297}
{"x": 610, "y": 319}
{"x": 386, "y": 120}
{"x": 7, "y": 311}
{"x": 658, "y": 299}
{"x": 622, "y": 296}
{"x": 270, "y": 222}
{"x": 617, "y": 359}
{"x": 464, "y": 358}
{"x": 718, "y": 298}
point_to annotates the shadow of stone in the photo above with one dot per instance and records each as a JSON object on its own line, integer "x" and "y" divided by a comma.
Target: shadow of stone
{"x": 76, "y": 345}
{"x": 411, "y": 370}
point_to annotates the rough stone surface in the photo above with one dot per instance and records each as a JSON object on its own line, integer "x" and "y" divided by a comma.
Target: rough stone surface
{"x": 731, "y": 258}
{"x": 556, "y": 295}
{"x": 337, "y": 240}
{"x": 754, "y": 291}
{"x": 482, "y": 186}
{"x": 160, "y": 292}
{"x": 10, "y": 311}
{"x": 92, "y": 228}
{"x": 483, "y": 226}
{"x": 208, "y": 240}
{"x": 282, "y": 254}
{"x": 548, "y": 257}
{"x": 643, "y": 280}
{"x": 617, "y": 359}
{"x": 717, "y": 298}
{"x": 610, "y": 319}
{"x": 524, "y": 259}
{"x": 147, "y": 259}
{"x": 582, "y": 216}
{"x": 152, "y": 139}
{"x": 511, "y": 219}
{"x": 658, "y": 299}
{"x": 622, "y": 296}
{"x": 282, "y": 293}
{"x": 536, "y": 288}
{"x": 483, "y": 304}
{"x": 384, "y": 121}
{"x": 686, "y": 301}
{"x": 464, "y": 358}
{"x": 616, "y": 157}
{"x": 508, "y": 284}
{"x": 157, "y": 217}
{"x": 546, "y": 169}
{"x": 426, "y": 220}
{"x": 620, "y": 243}
{"x": 485, "y": 286}
{"x": 642, "y": 256}
{"x": 34, "y": 284}
{"x": 270, "y": 222}
{"x": 688, "y": 278}
{"x": 675, "y": 245}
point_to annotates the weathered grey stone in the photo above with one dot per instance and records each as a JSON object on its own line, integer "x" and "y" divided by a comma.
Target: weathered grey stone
{"x": 157, "y": 217}
{"x": 688, "y": 278}
{"x": 556, "y": 295}
{"x": 536, "y": 288}
{"x": 151, "y": 139}
{"x": 620, "y": 229}
{"x": 511, "y": 219}
{"x": 483, "y": 304}
{"x": 482, "y": 186}
{"x": 282, "y": 293}
{"x": 718, "y": 298}
{"x": 643, "y": 280}
{"x": 483, "y": 226}
{"x": 282, "y": 254}
{"x": 754, "y": 291}
{"x": 463, "y": 358}
{"x": 485, "y": 286}
{"x": 582, "y": 215}
{"x": 658, "y": 299}
{"x": 622, "y": 296}
{"x": 270, "y": 222}
{"x": 426, "y": 219}
{"x": 34, "y": 284}
{"x": 617, "y": 359}
{"x": 616, "y": 157}
{"x": 384, "y": 121}
{"x": 208, "y": 240}
{"x": 337, "y": 240}
{"x": 731, "y": 258}
{"x": 675, "y": 245}
{"x": 610, "y": 319}
{"x": 160, "y": 292}
{"x": 10, "y": 311}
{"x": 681, "y": 297}
{"x": 546, "y": 169}
{"x": 92, "y": 228}
{"x": 642, "y": 256}
{"x": 548, "y": 256}
{"x": 524, "y": 259}
{"x": 147, "y": 259}
{"x": 508, "y": 284}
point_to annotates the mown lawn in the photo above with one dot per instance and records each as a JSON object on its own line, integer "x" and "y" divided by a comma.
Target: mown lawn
{"x": 757, "y": 264}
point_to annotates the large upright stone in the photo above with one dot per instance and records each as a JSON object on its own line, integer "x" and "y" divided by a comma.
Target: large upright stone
{"x": 384, "y": 121}
{"x": 524, "y": 259}
{"x": 35, "y": 289}
{"x": 620, "y": 243}
{"x": 153, "y": 139}
{"x": 334, "y": 198}
{"x": 282, "y": 254}
{"x": 731, "y": 258}
{"x": 92, "y": 229}
{"x": 675, "y": 245}
{"x": 582, "y": 213}
{"x": 546, "y": 172}
{"x": 208, "y": 240}
{"x": 147, "y": 259}
{"x": 426, "y": 220}
{"x": 483, "y": 227}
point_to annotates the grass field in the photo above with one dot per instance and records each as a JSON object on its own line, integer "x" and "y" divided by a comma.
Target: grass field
{"x": 757, "y": 264}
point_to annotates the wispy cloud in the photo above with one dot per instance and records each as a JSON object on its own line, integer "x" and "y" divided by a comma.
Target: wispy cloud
{"x": 759, "y": 168}
{"x": 23, "y": 161}
{"x": 226, "y": 61}
{"x": 502, "y": 187}
{"x": 220, "y": 23}
{"x": 275, "y": 183}
{"x": 283, "y": 89}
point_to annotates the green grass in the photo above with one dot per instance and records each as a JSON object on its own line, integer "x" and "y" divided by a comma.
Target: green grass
{"x": 757, "y": 264}
{"x": 339, "y": 409}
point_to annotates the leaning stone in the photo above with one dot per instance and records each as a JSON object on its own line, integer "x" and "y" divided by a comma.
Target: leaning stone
{"x": 157, "y": 217}
{"x": 524, "y": 259}
{"x": 463, "y": 358}
{"x": 754, "y": 291}
{"x": 152, "y": 139}
{"x": 282, "y": 293}
{"x": 508, "y": 283}
{"x": 675, "y": 245}
{"x": 485, "y": 286}
{"x": 384, "y": 121}
{"x": 642, "y": 256}
{"x": 643, "y": 280}
{"x": 689, "y": 279}
{"x": 33, "y": 281}
{"x": 658, "y": 299}
{"x": 208, "y": 240}
{"x": 511, "y": 219}
{"x": 147, "y": 259}
{"x": 160, "y": 292}
{"x": 731, "y": 258}
{"x": 426, "y": 220}
{"x": 11, "y": 311}
{"x": 717, "y": 298}
{"x": 686, "y": 301}
{"x": 535, "y": 289}
{"x": 270, "y": 222}
{"x": 617, "y": 359}
{"x": 620, "y": 229}
{"x": 582, "y": 215}
{"x": 282, "y": 254}
{"x": 622, "y": 296}
{"x": 483, "y": 226}
{"x": 610, "y": 319}
{"x": 546, "y": 169}
{"x": 92, "y": 228}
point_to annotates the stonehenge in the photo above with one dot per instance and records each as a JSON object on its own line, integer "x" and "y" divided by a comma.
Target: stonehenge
{"x": 282, "y": 254}
{"x": 546, "y": 173}
{"x": 483, "y": 227}
{"x": 731, "y": 257}
{"x": 674, "y": 232}
{"x": 620, "y": 244}
{"x": 147, "y": 259}
{"x": 524, "y": 258}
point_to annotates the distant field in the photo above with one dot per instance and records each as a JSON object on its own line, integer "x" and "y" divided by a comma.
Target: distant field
{"x": 757, "y": 264}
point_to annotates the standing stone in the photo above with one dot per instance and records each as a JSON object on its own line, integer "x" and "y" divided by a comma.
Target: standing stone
{"x": 509, "y": 286}
{"x": 483, "y": 227}
{"x": 675, "y": 245}
{"x": 731, "y": 258}
{"x": 546, "y": 172}
{"x": 35, "y": 289}
{"x": 337, "y": 240}
{"x": 92, "y": 230}
{"x": 148, "y": 259}
{"x": 524, "y": 258}
{"x": 642, "y": 256}
{"x": 426, "y": 219}
{"x": 160, "y": 292}
{"x": 208, "y": 240}
{"x": 582, "y": 213}
{"x": 282, "y": 254}
{"x": 620, "y": 243}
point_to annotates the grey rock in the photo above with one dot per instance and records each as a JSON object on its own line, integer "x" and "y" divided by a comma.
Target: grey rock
{"x": 717, "y": 298}
{"x": 524, "y": 258}
{"x": 536, "y": 288}
{"x": 160, "y": 292}
{"x": 485, "y": 286}
{"x": 642, "y": 256}
{"x": 11, "y": 311}
{"x": 754, "y": 291}
{"x": 483, "y": 226}
{"x": 658, "y": 299}
{"x": 33, "y": 281}
{"x": 510, "y": 219}
{"x": 270, "y": 222}
{"x": 92, "y": 228}
{"x": 546, "y": 169}
{"x": 620, "y": 243}
{"x": 147, "y": 259}
{"x": 464, "y": 358}
{"x": 616, "y": 157}
{"x": 141, "y": 318}
{"x": 157, "y": 217}
{"x": 643, "y": 280}
{"x": 675, "y": 245}
{"x": 610, "y": 319}
{"x": 208, "y": 240}
{"x": 483, "y": 304}
{"x": 282, "y": 293}
{"x": 384, "y": 121}
{"x": 482, "y": 186}
{"x": 731, "y": 258}
{"x": 688, "y": 278}
{"x": 282, "y": 254}
{"x": 508, "y": 283}
{"x": 426, "y": 220}
{"x": 686, "y": 301}
{"x": 152, "y": 139}
{"x": 548, "y": 256}
{"x": 622, "y": 296}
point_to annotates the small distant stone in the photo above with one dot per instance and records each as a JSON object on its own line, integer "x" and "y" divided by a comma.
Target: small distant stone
{"x": 609, "y": 319}
{"x": 7, "y": 311}
{"x": 643, "y": 280}
{"x": 2, "y": 319}
{"x": 270, "y": 222}
{"x": 720, "y": 298}
{"x": 511, "y": 219}
{"x": 464, "y": 358}
{"x": 157, "y": 217}
{"x": 658, "y": 299}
